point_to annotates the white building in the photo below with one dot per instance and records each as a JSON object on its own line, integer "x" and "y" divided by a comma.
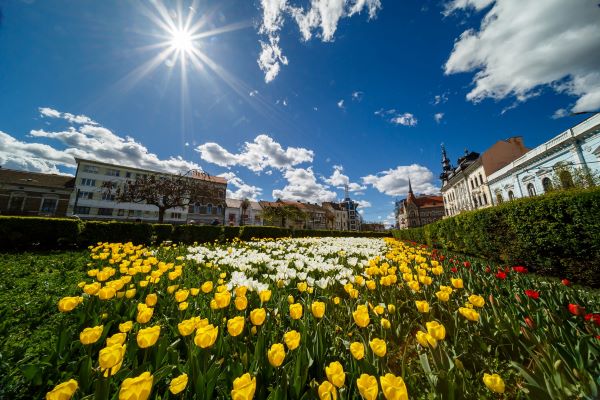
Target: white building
{"x": 90, "y": 200}
{"x": 236, "y": 216}
{"x": 536, "y": 171}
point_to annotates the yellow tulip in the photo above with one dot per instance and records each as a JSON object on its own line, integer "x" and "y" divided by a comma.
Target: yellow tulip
{"x": 291, "y": 339}
{"x": 257, "y": 316}
{"x": 147, "y": 337}
{"x": 476, "y": 300}
{"x": 336, "y": 300}
{"x": 457, "y": 283}
{"x": 111, "y": 356}
{"x": 144, "y": 313}
{"x": 181, "y": 295}
{"x": 265, "y": 296}
{"x": 63, "y": 391}
{"x": 335, "y": 374}
{"x": 194, "y": 291}
{"x": 358, "y": 350}
{"x": 276, "y": 354}
{"x": 494, "y": 382}
{"x": 302, "y": 286}
{"x": 151, "y": 299}
{"x": 391, "y": 308}
{"x": 437, "y": 330}
{"x": 207, "y": 287}
{"x": 379, "y": 309}
{"x": 91, "y": 335}
{"x": 241, "y": 302}
{"x": 422, "y": 306}
{"x": 290, "y": 299}
{"x": 393, "y": 387}
{"x": 296, "y": 311}
{"x": 469, "y": 313}
{"x": 137, "y": 388}
{"x": 172, "y": 288}
{"x": 240, "y": 291}
{"x": 125, "y": 326}
{"x": 426, "y": 340}
{"x": 378, "y": 346}
{"x": 243, "y": 387}
{"x": 178, "y": 384}
{"x": 92, "y": 288}
{"x": 67, "y": 304}
{"x": 327, "y": 391}
{"x": 442, "y": 295}
{"x": 130, "y": 293}
{"x": 367, "y": 387}
{"x": 361, "y": 316}
{"x": 186, "y": 327}
{"x": 106, "y": 293}
{"x": 206, "y": 336}
{"x": 235, "y": 326}
{"x": 318, "y": 309}
{"x": 385, "y": 323}
{"x": 222, "y": 299}
{"x": 183, "y": 306}
{"x": 117, "y": 338}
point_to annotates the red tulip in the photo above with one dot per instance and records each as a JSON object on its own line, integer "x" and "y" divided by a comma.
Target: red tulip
{"x": 501, "y": 275}
{"x": 595, "y": 318}
{"x": 453, "y": 269}
{"x": 520, "y": 269}
{"x": 566, "y": 282}
{"x": 529, "y": 322}
{"x": 467, "y": 264}
{"x": 534, "y": 294}
{"x": 488, "y": 269}
{"x": 576, "y": 309}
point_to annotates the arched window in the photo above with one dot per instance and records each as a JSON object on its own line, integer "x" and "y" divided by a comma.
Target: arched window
{"x": 480, "y": 180}
{"x": 499, "y": 198}
{"x": 531, "y": 189}
{"x": 209, "y": 208}
{"x": 547, "y": 184}
{"x": 219, "y": 210}
{"x": 566, "y": 179}
{"x": 511, "y": 195}
{"x": 484, "y": 199}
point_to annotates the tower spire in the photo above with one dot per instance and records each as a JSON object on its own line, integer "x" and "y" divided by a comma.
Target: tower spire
{"x": 445, "y": 161}
{"x": 411, "y": 195}
{"x": 409, "y": 186}
{"x": 346, "y": 191}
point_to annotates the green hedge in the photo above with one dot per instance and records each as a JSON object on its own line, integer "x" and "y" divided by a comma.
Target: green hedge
{"x": 557, "y": 234}
{"x": 231, "y": 232}
{"x": 249, "y": 231}
{"x": 162, "y": 232}
{"x": 98, "y": 231}
{"x": 28, "y": 232}
{"x": 196, "y": 233}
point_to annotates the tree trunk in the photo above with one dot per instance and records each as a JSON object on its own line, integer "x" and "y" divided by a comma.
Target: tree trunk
{"x": 161, "y": 214}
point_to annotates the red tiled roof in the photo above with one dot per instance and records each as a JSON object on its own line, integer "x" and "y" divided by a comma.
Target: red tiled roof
{"x": 25, "y": 178}
{"x": 429, "y": 201}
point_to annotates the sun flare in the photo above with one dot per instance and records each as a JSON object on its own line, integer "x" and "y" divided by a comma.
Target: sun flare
{"x": 182, "y": 40}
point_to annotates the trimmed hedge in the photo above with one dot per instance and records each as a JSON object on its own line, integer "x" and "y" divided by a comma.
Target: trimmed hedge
{"x": 48, "y": 233}
{"x": 113, "y": 231}
{"x": 28, "y": 232}
{"x": 557, "y": 234}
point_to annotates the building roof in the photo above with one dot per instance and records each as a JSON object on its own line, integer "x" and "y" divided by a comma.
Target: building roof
{"x": 25, "y": 178}
{"x": 237, "y": 203}
{"x": 195, "y": 174}
{"x": 425, "y": 201}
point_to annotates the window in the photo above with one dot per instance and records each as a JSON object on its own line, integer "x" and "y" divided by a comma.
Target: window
{"x": 547, "y": 184}
{"x": 231, "y": 217}
{"x": 219, "y": 210}
{"x": 127, "y": 174}
{"x": 566, "y": 180}
{"x": 484, "y": 199}
{"x": 130, "y": 213}
{"x": 108, "y": 196}
{"x": 209, "y": 209}
{"x": 88, "y": 182}
{"x": 17, "y": 200}
{"x": 113, "y": 172}
{"x": 138, "y": 213}
{"x": 90, "y": 169}
{"x": 49, "y": 205}
{"x": 475, "y": 201}
{"x": 120, "y": 213}
{"x": 85, "y": 195}
{"x": 480, "y": 180}
{"x": 175, "y": 215}
{"x": 105, "y": 211}
{"x": 511, "y": 195}
{"x": 81, "y": 210}
{"x": 531, "y": 190}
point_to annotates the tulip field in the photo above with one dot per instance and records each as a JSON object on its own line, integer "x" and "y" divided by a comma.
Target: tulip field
{"x": 326, "y": 318}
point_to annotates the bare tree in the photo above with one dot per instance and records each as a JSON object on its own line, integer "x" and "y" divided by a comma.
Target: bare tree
{"x": 164, "y": 191}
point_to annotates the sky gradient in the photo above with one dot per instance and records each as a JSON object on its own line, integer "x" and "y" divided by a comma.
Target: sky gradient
{"x": 292, "y": 99}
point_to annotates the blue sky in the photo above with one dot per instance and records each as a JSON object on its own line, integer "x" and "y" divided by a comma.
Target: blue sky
{"x": 356, "y": 91}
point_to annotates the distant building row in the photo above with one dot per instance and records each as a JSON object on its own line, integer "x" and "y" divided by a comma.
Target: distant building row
{"x": 86, "y": 196}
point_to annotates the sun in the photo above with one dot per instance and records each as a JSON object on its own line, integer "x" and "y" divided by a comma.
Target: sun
{"x": 182, "y": 41}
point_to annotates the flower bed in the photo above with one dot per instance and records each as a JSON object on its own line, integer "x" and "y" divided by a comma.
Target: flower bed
{"x": 327, "y": 317}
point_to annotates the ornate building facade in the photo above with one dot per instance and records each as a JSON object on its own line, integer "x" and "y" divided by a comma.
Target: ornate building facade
{"x": 415, "y": 211}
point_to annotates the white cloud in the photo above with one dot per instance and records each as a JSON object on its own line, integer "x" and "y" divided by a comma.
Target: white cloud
{"x": 455, "y": 5}
{"x": 302, "y": 185}
{"x": 323, "y": 14}
{"x": 394, "y": 182}
{"x": 244, "y": 190}
{"x": 357, "y": 96}
{"x": 339, "y": 180}
{"x": 523, "y": 46}
{"x": 440, "y": 99}
{"x": 390, "y": 219}
{"x": 363, "y": 203}
{"x": 253, "y": 93}
{"x": 406, "y": 119}
{"x": 90, "y": 141}
{"x": 560, "y": 113}
{"x": 258, "y": 155}
{"x": 340, "y": 104}
{"x": 438, "y": 117}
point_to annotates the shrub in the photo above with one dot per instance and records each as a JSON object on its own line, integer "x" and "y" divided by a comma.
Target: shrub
{"x": 162, "y": 232}
{"x": 113, "y": 231}
{"x": 248, "y": 232}
{"x": 556, "y": 234}
{"x": 231, "y": 232}
{"x": 25, "y": 232}
{"x": 196, "y": 233}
